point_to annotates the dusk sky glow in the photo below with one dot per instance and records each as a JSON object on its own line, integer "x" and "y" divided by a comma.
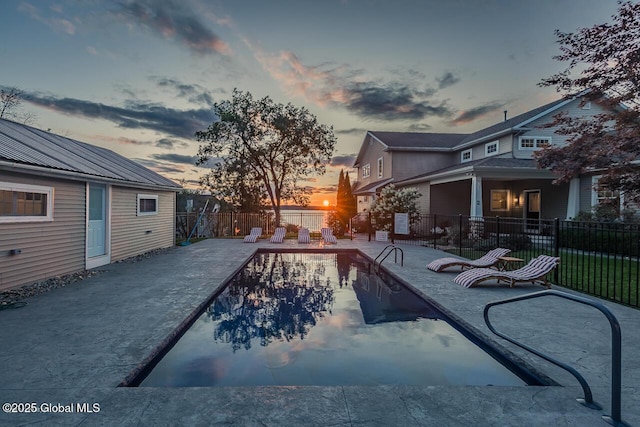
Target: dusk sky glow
{"x": 139, "y": 76}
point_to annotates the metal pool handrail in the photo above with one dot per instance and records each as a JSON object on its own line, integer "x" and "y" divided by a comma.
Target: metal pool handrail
{"x": 393, "y": 249}
{"x": 616, "y": 352}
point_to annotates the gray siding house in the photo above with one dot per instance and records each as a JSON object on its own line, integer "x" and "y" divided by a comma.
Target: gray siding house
{"x": 490, "y": 172}
{"x": 67, "y": 206}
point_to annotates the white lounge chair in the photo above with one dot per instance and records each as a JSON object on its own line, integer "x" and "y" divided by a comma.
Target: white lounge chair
{"x": 303, "y": 235}
{"x": 489, "y": 259}
{"x": 535, "y": 270}
{"x": 254, "y": 235}
{"x": 278, "y": 235}
{"x": 327, "y": 236}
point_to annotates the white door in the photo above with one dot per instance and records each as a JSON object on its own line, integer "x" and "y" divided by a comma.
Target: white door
{"x": 97, "y": 229}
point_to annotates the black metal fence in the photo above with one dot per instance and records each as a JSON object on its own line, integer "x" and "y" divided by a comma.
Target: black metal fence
{"x": 597, "y": 258}
{"x": 234, "y": 224}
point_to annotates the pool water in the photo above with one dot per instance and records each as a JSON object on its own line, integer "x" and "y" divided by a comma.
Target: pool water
{"x": 324, "y": 319}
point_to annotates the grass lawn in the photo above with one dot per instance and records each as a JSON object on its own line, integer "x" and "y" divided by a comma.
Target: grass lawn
{"x": 613, "y": 278}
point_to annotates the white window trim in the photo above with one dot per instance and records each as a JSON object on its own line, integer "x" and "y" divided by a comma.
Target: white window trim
{"x": 380, "y": 167}
{"x": 462, "y": 159}
{"x": 547, "y": 139}
{"x": 594, "y": 192}
{"x": 146, "y": 196}
{"x": 366, "y": 170}
{"x": 508, "y": 193}
{"x": 10, "y": 186}
{"x": 489, "y": 144}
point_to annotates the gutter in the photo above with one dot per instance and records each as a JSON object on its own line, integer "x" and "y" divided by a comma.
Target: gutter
{"x": 79, "y": 176}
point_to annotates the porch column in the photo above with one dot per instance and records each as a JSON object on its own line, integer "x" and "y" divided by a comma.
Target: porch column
{"x": 476, "y": 196}
{"x": 573, "y": 201}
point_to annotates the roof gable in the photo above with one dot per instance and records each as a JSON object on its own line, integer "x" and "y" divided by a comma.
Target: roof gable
{"x": 25, "y": 145}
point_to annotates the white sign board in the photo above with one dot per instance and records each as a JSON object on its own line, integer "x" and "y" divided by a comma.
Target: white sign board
{"x": 401, "y": 223}
{"x": 382, "y": 236}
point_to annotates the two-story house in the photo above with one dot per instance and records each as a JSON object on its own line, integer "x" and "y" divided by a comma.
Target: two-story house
{"x": 490, "y": 172}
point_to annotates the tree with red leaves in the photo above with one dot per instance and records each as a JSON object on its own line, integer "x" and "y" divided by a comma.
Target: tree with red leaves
{"x": 606, "y": 58}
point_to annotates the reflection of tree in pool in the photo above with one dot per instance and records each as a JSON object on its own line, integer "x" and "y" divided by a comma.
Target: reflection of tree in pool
{"x": 271, "y": 299}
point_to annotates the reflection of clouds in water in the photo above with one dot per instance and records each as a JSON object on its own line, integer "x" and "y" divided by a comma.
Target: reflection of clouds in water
{"x": 276, "y": 360}
{"x": 445, "y": 340}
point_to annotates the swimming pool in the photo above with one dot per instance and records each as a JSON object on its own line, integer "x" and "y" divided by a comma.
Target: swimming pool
{"x": 294, "y": 319}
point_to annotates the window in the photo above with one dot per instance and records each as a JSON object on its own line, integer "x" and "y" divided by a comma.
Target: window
{"x": 465, "y": 156}
{"x": 603, "y": 196}
{"x": 499, "y": 200}
{"x": 380, "y": 167}
{"x": 25, "y": 203}
{"x": 491, "y": 148}
{"x": 533, "y": 142}
{"x": 147, "y": 204}
{"x": 366, "y": 170}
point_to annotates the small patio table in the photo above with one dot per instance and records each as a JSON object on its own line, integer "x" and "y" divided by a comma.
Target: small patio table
{"x": 508, "y": 263}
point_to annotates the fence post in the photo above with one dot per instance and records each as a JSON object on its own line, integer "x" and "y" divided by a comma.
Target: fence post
{"x": 435, "y": 236}
{"x": 460, "y": 234}
{"x": 369, "y": 225}
{"x": 556, "y": 248}
{"x": 498, "y": 231}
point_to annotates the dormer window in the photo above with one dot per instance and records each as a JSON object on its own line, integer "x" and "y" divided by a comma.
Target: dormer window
{"x": 491, "y": 148}
{"x": 466, "y": 156}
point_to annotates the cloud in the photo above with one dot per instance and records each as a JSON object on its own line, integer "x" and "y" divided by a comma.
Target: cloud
{"x": 344, "y": 160}
{"x": 160, "y": 167}
{"x": 447, "y": 79}
{"x": 419, "y": 127}
{"x": 135, "y": 115}
{"x": 176, "y": 158}
{"x": 352, "y": 131}
{"x": 56, "y": 24}
{"x": 328, "y": 85}
{"x": 191, "y": 92}
{"x": 326, "y": 189}
{"x": 174, "y": 20}
{"x": 170, "y": 143}
{"x": 475, "y": 113}
{"x": 390, "y": 101}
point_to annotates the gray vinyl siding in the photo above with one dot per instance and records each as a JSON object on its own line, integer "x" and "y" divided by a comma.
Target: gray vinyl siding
{"x": 478, "y": 151}
{"x": 537, "y": 129}
{"x": 48, "y": 248}
{"x": 133, "y": 235}
{"x": 424, "y": 188}
{"x": 407, "y": 164}
{"x": 373, "y": 152}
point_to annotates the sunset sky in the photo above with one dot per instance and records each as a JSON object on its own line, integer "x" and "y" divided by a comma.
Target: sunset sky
{"x": 139, "y": 77}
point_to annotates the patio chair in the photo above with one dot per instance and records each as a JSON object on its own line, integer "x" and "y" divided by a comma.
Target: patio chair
{"x": 487, "y": 260}
{"x": 253, "y": 236}
{"x": 303, "y": 236}
{"x": 278, "y": 235}
{"x": 327, "y": 236}
{"x": 535, "y": 271}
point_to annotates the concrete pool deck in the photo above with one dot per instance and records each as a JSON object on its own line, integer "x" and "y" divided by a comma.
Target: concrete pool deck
{"x": 74, "y": 345}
